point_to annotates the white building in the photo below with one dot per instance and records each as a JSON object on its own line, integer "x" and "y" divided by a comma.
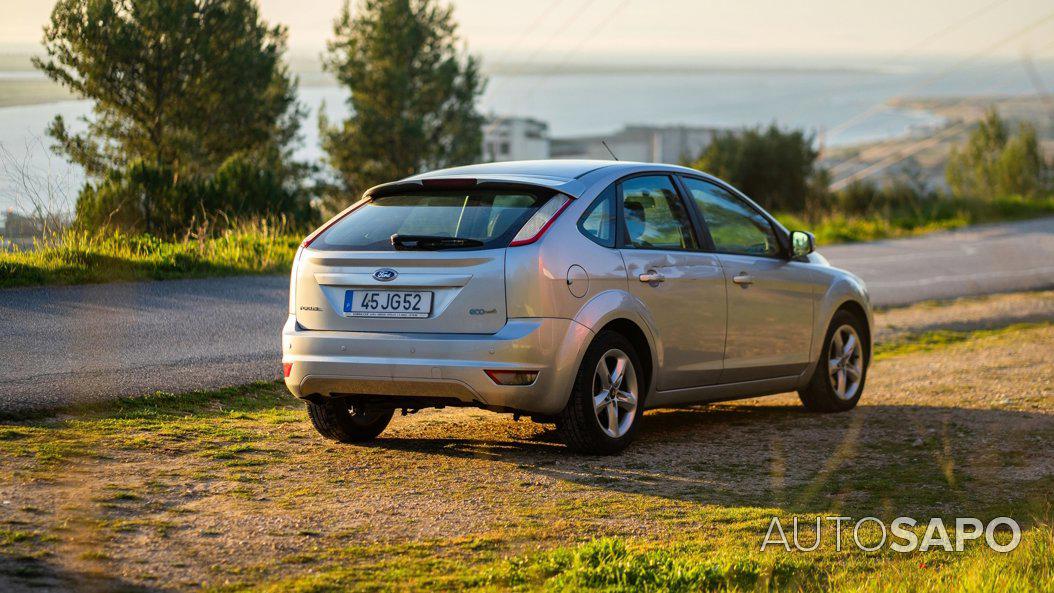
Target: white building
{"x": 650, "y": 144}
{"x": 515, "y": 139}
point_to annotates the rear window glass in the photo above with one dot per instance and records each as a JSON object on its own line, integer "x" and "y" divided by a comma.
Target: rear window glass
{"x": 490, "y": 216}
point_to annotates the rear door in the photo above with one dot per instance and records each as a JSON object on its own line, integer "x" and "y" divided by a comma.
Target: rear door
{"x": 681, "y": 286}
{"x": 770, "y": 299}
{"x": 355, "y": 277}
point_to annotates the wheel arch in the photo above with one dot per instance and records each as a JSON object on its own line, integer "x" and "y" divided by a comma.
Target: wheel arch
{"x": 857, "y": 310}
{"x": 845, "y": 293}
{"x": 636, "y": 336}
{"x": 619, "y": 310}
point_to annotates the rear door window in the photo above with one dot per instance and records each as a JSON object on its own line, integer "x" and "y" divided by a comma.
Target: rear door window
{"x": 654, "y": 216}
{"x": 490, "y": 216}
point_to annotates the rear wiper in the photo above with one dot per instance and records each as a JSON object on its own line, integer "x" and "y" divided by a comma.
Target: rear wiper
{"x": 431, "y": 243}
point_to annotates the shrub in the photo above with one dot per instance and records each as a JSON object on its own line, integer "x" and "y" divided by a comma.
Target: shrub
{"x": 146, "y": 198}
{"x": 993, "y": 163}
{"x": 772, "y": 166}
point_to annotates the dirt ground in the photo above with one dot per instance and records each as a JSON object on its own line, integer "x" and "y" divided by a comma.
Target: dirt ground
{"x": 238, "y": 493}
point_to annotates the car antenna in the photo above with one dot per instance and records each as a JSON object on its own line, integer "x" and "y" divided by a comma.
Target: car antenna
{"x": 611, "y": 152}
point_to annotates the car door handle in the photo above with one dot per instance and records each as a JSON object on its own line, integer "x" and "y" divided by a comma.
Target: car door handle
{"x": 652, "y": 277}
{"x": 743, "y": 279}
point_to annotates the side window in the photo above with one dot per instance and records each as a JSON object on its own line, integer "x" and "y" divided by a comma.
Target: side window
{"x": 735, "y": 226}
{"x": 655, "y": 217}
{"x": 598, "y": 222}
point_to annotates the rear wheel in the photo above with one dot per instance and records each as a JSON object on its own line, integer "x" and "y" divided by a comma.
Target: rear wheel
{"x": 838, "y": 381}
{"x": 337, "y": 420}
{"x": 606, "y": 402}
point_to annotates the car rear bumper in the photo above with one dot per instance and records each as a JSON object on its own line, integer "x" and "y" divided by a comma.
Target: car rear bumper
{"x": 415, "y": 365}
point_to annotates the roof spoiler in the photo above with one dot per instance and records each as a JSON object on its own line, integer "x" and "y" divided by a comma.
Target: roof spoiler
{"x": 395, "y": 187}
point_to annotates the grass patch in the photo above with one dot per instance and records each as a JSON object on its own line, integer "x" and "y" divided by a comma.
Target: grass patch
{"x": 13, "y": 536}
{"x": 219, "y": 425}
{"x": 77, "y": 257}
{"x": 942, "y": 338}
{"x": 938, "y": 215}
{"x": 685, "y": 564}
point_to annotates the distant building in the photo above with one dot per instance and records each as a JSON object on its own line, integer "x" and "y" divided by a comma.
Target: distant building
{"x": 650, "y": 144}
{"x": 18, "y": 225}
{"x": 515, "y": 139}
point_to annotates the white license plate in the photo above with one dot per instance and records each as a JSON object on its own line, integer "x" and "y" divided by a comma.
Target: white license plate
{"x": 387, "y": 303}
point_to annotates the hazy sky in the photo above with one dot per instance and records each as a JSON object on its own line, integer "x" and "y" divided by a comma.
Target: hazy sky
{"x": 686, "y": 30}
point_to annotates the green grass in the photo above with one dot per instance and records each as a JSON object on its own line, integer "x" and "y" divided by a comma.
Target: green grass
{"x": 831, "y": 228}
{"x": 937, "y": 339}
{"x": 84, "y": 258}
{"x": 685, "y": 563}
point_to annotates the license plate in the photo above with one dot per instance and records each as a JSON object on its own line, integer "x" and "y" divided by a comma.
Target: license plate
{"x": 387, "y": 303}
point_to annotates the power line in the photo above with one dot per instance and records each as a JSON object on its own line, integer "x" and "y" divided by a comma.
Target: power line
{"x": 526, "y": 32}
{"x": 552, "y": 37}
{"x": 565, "y": 59}
{"x": 559, "y": 31}
{"x": 947, "y": 29}
{"x": 897, "y": 154}
{"x": 900, "y": 156}
{"x": 879, "y": 107}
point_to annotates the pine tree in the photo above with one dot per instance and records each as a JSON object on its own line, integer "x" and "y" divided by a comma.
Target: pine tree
{"x": 413, "y": 93}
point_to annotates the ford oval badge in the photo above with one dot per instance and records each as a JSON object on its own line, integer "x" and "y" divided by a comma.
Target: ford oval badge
{"x": 385, "y": 274}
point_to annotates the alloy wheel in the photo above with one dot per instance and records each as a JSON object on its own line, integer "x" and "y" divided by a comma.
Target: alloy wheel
{"x": 845, "y": 362}
{"x": 615, "y": 393}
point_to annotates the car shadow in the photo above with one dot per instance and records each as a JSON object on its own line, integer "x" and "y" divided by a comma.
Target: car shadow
{"x": 29, "y": 573}
{"x": 874, "y": 459}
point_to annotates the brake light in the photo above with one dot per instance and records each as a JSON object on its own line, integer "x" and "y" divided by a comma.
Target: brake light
{"x": 512, "y": 377}
{"x": 455, "y": 183}
{"x": 310, "y": 238}
{"x": 287, "y": 369}
{"x": 540, "y": 222}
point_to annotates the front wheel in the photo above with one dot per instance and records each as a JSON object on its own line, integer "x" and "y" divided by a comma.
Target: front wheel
{"x": 838, "y": 381}
{"x": 339, "y": 421}
{"x": 606, "y": 402}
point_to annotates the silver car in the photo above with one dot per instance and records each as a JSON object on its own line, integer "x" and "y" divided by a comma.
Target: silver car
{"x": 578, "y": 293}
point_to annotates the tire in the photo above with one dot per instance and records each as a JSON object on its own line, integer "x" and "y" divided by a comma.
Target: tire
{"x": 822, "y": 394}
{"x": 579, "y": 424}
{"x": 339, "y": 422}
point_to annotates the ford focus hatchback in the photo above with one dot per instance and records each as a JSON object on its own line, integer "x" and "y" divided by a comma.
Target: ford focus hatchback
{"x": 578, "y": 293}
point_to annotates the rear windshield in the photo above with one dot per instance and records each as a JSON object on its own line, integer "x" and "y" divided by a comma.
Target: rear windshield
{"x": 490, "y": 216}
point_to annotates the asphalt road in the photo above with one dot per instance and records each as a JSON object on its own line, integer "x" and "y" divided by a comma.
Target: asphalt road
{"x": 83, "y": 343}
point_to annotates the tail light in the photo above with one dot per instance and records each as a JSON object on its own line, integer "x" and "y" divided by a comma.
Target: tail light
{"x": 287, "y": 369}
{"x": 540, "y": 222}
{"x": 512, "y": 377}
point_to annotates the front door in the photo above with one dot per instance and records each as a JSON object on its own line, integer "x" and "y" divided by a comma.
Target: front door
{"x": 770, "y": 299}
{"x": 770, "y": 309}
{"x": 681, "y": 287}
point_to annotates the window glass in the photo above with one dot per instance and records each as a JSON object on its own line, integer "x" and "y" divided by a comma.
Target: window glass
{"x": 490, "y": 216}
{"x": 598, "y": 222}
{"x": 655, "y": 217}
{"x": 735, "y": 226}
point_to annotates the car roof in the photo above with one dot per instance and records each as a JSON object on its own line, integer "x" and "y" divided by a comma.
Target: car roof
{"x": 570, "y": 176}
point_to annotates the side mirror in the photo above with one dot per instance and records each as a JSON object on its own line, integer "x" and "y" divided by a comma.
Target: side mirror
{"x": 802, "y": 244}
